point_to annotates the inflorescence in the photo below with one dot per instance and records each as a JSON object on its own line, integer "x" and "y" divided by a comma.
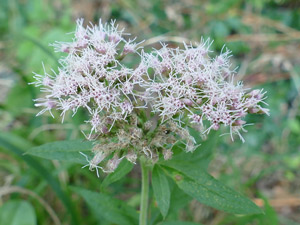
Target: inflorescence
{"x": 144, "y": 110}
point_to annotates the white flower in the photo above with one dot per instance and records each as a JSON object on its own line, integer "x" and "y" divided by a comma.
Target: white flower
{"x": 92, "y": 77}
{"x": 186, "y": 81}
{"x": 170, "y": 90}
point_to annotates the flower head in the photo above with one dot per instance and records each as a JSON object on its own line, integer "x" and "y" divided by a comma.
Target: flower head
{"x": 190, "y": 82}
{"x": 144, "y": 110}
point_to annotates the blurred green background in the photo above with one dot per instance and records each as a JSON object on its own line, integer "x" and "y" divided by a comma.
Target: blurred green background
{"x": 264, "y": 36}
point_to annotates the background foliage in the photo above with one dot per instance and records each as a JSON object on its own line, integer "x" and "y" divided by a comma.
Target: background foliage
{"x": 264, "y": 36}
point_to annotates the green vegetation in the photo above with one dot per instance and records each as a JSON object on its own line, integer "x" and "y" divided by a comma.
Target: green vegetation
{"x": 264, "y": 36}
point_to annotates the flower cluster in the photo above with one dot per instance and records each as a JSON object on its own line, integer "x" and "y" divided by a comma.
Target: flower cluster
{"x": 91, "y": 76}
{"x": 144, "y": 110}
{"x": 189, "y": 83}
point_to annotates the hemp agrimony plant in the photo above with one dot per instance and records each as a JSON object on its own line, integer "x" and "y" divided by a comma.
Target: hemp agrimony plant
{"x": 154, "y": 113}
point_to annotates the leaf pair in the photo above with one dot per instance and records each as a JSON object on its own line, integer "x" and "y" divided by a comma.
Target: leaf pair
{"x": 200, "y": 185}
{"x": 187, "y": 170}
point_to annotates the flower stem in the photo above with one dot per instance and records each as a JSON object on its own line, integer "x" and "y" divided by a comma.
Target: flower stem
{"x": 145, "y": 193}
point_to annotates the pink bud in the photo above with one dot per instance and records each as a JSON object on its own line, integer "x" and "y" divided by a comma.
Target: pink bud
{"x": 239, "y": 122}
{"x": 254, "y": 92}
{"x": 241, "y": 114}
{"x": 113, "y": 163}
{"x": 216, "y": 126}
{"x": 101, "y": 49}
{"x": 47, "y": 81}
{"x": 65, "y": 48}
{"x": 114, "y": 38}
{"x": 253, "y": 110}
{"x": 51, "y": 104}
{"x": 188, "y": 79}
{"x": 128, "y": 48}
{"x": 220, "y": 60}
{"x": 167, "y": 154}
{"x": 199, "y": 101}
{"x": 104, "y": 130}
{"x": 188, "y": 102}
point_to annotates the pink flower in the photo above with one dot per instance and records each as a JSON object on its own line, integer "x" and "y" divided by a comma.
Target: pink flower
{"x": 170, "y": 90}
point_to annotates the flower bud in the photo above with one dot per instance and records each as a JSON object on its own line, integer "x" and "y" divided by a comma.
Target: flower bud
{"x": 264, "y": 111}
{"x": 104, "y": 130}
{"x": 113, "y": 163}
{"x": 167, "y": 154}
{"x": 131, "y": 156}
{"x": 188, "y": 79}
{"x": 241, "y": 114}
{"x": 253, "y": 110}
{"x": 148, "y": 125}
{"x": 187, "y": 102}
{"x": 254, "y": 92}
{"x": 128, "y": 48}
{"x": 190, "y": 145}
{"x": 199, "y": 101}
{"x": 65, "y": 48}
{"x": 101, "y": 49}
{"x": 216, "y": 126}
{"x": 114, "y": 38}
{"x": 238, "y": 123}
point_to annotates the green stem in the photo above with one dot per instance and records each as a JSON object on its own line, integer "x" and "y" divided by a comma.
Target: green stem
{"x": 145, "y": 193}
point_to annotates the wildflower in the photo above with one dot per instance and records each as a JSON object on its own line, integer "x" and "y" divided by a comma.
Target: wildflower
{"x": 167, "y": 153}
{"x": 144, "y": 111}
{"x": 131, "y": 156}
{"x": 113, "y": 163}
{"x": 201, "y": 87}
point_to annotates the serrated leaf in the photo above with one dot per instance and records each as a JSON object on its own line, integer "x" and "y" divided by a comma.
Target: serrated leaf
{"x": 161, "y": 190}
{"x": 105, "y": 207}
{"x": 63, "y": 150}
{"x": 209, "y": 191}
{"x": 124, "y": 168}
{"x": 17, "y": 212}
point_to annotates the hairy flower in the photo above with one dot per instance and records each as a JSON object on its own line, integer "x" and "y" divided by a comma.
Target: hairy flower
{"x": 189, "y": 82}
{"x": 147, "y": 109}
{"x": 92, "y": 77}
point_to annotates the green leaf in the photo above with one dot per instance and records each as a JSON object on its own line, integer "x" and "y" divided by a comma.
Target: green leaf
{"x": 18, "y": 98}
{"x": 41, "y": 46}
{"x": 18, "y": 141}
{"x": 179, "y": 199}
{"x": 17, "y": 212}
{"x": 124, "y": 168}
{"x": 271, "y": 215}
{"x": 161, "y": 190}
{"x": 14, "y": 144}
{"x": 207, "y": 190}
{"x": 105, "y": 207}
{"x": 178, "y": 223}
{"x": 63, "y": 150}
{"x": 269, "y": 218}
